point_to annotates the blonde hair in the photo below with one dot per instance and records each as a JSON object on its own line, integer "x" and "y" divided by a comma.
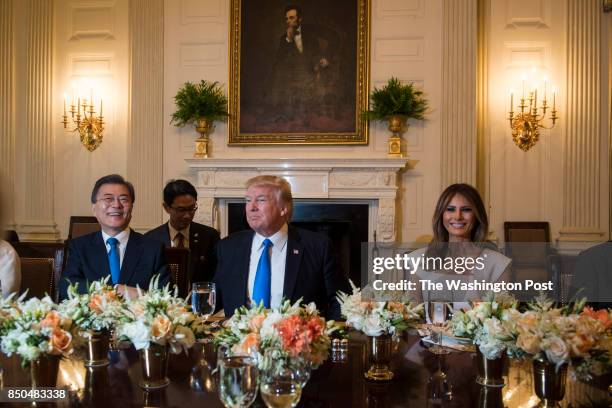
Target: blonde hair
{"x": 280, "y": 185}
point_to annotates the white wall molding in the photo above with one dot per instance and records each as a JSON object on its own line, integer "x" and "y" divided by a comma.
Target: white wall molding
{"x": 374, "y": 181}
{"x": 91, "y": 64}
{"x": 38, "y": 216}
{"x": 203, "y": 12}
{"x": 7, "y": 115}
{"x": 203, "y": 54}
{"x": 146, "y": 115}
{"x": 528, "y": 13}
{"x": 458, "y": 110}
{"x": 398, "y": 49}
{"x": 92, "y": 20}
{"x": 527, "y": 54}
{"x": 582, "y": 217}
{"x": 400, "y": 8}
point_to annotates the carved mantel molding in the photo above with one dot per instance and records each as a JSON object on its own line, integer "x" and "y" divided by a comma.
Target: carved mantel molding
{"x": 374, "y": 181}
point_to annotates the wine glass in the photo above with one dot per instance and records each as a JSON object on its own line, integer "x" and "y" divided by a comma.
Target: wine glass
{"x": 238, "y": 380}
{"x": 438, "y": 313}
{"x": 203, "y": 297}
{"x": 302, "y": 371}
{"x": 439, "y": 390}
{"x": 281, "y": 387}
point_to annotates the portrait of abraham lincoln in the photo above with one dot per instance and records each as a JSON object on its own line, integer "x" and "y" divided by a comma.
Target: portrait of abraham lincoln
{"x": 299, "y": 63}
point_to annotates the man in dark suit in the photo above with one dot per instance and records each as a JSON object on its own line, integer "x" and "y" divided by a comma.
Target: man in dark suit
{"x": 275, "y": 261}
{"x": 128, "y": 257}
{"x": 180, "y": 202}
{"x": 301, "y": 78}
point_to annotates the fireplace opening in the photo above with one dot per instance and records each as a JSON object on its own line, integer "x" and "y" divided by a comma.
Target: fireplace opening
{"x": 346, "y": 224}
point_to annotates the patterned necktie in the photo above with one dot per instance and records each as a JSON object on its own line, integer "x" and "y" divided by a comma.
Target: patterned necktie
{"x": 113, "y": 259}
{"x": 180, "y": 240}
{"x": 263, "y": 277}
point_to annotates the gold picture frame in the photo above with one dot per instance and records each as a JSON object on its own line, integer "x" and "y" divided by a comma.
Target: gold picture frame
{"x": 310, "y": 91}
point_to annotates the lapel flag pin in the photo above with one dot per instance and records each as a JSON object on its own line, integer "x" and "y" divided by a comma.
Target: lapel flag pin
{"x": 296, "y": 252}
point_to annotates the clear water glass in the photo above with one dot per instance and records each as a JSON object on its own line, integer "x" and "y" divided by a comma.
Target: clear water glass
{"x": 438, "y": 313}
{"x": 238, "y": 381}
{"x": 203, "y": 298}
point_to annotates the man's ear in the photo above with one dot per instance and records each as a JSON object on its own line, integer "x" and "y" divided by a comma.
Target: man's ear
{"x": 284, "y": 211}
{"x": 93, "y": 209}
{"x": 166, "y": 208}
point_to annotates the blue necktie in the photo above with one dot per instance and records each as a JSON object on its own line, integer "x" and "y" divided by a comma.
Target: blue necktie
{"x": 263, "y": 276}
{"x": 113, "y": 259}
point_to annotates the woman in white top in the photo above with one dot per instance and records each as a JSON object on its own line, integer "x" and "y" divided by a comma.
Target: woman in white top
{"x": 10, "y": 269}
{"x": 460, "y": 229}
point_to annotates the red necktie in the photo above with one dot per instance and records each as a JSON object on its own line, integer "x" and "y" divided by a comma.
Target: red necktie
{"x": 180, "y": 240}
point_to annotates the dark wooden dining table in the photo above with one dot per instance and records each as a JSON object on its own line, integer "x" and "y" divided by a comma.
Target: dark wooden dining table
{"x": 337, "y": 383}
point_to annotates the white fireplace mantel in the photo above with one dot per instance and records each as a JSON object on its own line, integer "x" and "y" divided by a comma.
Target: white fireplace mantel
{"x": 373, "y": 181}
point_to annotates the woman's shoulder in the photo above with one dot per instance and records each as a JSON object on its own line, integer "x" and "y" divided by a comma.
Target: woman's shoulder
{"x": 6, "y": 249}
{"x": 495, "y": 256}
{"x": 418, "y": 252}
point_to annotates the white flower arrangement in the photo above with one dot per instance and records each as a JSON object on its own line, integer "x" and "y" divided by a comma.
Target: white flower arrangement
{"x": 575, "y": 335}
{"x": 101, "y": 308}
{"x": 378, "y": 317}
{"x": 491, "y": 325}
{"x": 285, "y": 336}
{"x": 159, "y": 316}
{"x": 33, "y": 328}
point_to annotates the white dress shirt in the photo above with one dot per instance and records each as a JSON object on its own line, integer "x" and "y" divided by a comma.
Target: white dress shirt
{"x": 122, "y": 237}
{"x": 174, "y": 240}
{"x": 297, "y": 39}
{"x": 10, "y": 269}
{"x": 278, "y": 259}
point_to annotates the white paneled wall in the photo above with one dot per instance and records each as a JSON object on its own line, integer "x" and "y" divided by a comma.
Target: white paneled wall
{"x": 524, "y": 186}
{"x": 405, "y": 42}
{"x": 91, "y": 49}
{"x": 413, "y": 40}
{"x": 7, "y": 115}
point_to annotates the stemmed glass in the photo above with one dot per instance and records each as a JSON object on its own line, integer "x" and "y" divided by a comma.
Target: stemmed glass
{"x": 281, "y": 387}
{"x": 238, "y": 380}
{"x": 439, "y": 390}
{"x": 203, "y": 298}
{"x": 438, "y": 313}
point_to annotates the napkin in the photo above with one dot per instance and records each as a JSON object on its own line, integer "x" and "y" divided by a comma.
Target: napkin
{"x": 453, "y": 343}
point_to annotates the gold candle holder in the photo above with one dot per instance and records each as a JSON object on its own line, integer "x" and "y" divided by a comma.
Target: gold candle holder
{"x": 89, "y": 125}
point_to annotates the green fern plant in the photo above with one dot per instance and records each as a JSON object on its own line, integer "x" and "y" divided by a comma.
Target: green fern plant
{"x": 396, "y": 99}
{"x": 199, "y": 101}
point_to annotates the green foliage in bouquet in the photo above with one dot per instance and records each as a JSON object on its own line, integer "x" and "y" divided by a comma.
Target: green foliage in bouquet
{"x": 198, "y": 101}
{"x": 396, "y": 99}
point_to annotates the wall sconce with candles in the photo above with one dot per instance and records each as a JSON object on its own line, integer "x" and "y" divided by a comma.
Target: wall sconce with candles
{"x": 89, "y": 125}
{"x": 526, "y": 124}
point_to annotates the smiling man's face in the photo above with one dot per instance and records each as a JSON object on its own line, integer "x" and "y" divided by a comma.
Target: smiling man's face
{"x": 113, "y": 208}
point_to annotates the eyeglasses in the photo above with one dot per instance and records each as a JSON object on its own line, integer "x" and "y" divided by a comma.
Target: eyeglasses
{"x": 108, "y": 201}
{"x": 184, "y": 210}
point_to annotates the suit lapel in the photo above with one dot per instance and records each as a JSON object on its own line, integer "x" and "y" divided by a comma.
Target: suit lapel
{"x": 243, "y": 252}
{"x": 131, "y": 257}
{"x": 292, "y": 263}
{"x": 166, "y": 234}
{"x": 195, "y": 238}
{"x": 99, "y": 256}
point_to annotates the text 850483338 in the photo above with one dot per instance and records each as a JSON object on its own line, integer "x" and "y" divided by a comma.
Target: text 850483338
{"x": 13, "y": 394}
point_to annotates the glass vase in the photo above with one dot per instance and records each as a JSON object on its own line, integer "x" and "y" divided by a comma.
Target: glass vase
{"x": 379, "y": 348}
{"x": 154, "y": 364}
